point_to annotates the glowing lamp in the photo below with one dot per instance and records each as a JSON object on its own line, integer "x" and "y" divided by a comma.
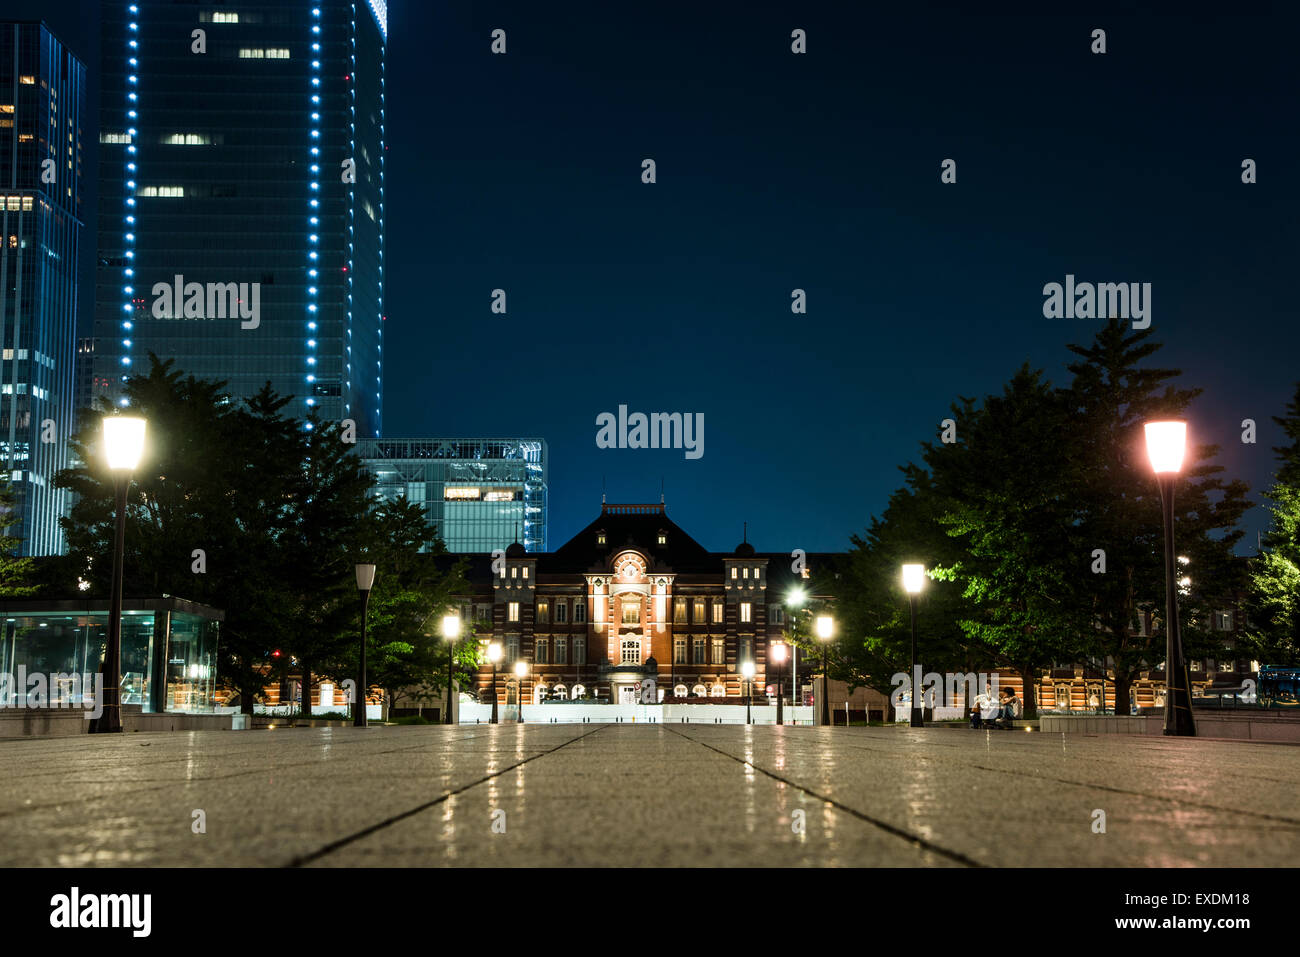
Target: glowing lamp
{"x": 1166, "y": 442}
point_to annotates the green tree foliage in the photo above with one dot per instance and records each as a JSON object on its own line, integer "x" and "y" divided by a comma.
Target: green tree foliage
{"x": 1273, "y": 608}
{"x": 279, "y": 512}
{"x": 1114, "y": 392}
{"x": 17, "y": 575}
{"x": 1010, "y": 490}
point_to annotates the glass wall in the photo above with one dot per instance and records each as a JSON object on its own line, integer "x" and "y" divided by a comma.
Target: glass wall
{"x": 168, "y": 657}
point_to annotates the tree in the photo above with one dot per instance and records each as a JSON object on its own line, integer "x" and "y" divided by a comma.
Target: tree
{"x": 411, "y": 594}
{"x": 17, "y": 575}
{"x": 872, "y": 608}
{"x": 1010, "y": 491}
{"x": 1273, "y": 603}
{"x": 1111, "y": 396}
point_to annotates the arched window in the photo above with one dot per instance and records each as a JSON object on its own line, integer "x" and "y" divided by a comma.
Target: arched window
{"x": 578, "y": 692}
{"x": 560, "y": 692}
{"x": 539, "y": 694}
{"x": 679, "y": 691}
{"x": 631, "y": 651}
{"x": 719, "y": 690}
{"x": 700, "y": 691}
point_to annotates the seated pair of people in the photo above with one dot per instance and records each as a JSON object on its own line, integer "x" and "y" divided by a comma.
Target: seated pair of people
{"x": 999, "y": 715}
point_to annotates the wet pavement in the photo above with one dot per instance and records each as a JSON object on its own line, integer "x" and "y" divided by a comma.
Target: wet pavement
{"x": 649, "y": 795}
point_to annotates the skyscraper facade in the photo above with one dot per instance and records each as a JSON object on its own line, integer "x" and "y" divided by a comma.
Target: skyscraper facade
{"x": 42, "y": 107}
{"x": 241, "y": 227}
{"x": 481, "y": 494}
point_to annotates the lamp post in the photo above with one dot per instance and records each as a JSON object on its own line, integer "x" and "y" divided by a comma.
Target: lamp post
{"x": 123, "y": 446}
{"x": 795, "y": 601}
{"x": 494, "y": 655}
{"x": 365, "y": 581}
{"x": 913, "y": 579}
{"x": 747, "y": 670}
{"x": 521, "y": 669}
{"x": 450, "y": 631}
{"x": 778, "y": 657}
{"x": 1166, "y": 443}
{"x": 825, "y": 628}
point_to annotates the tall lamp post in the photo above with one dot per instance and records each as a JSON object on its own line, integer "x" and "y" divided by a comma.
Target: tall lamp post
{"x": 450, "y": 631}
{"x": 365, "y": 581}
{"x": 913, "y": 579}
{"x": 794, "y": 600}
{"x": 494, "y": 655}
{"x": 747, "y": 670}
{"x": 825, "y": 629}
{"x": 1166, "y": 442}
{"x": 123, "y": 446}
{"x": 521, "y": 670}
{"x": 777, "y": 654}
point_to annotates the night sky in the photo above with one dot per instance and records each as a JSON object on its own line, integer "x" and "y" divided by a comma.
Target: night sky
{"x": 822, "y": 172}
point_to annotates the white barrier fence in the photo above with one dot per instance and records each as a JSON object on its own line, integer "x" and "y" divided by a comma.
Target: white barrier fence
{"x": 478, "y": 713}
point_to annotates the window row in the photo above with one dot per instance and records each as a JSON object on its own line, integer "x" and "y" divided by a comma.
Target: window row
{"x": 542, "y": 648}
{"x": 698, "y": 649}
{"x": 560, "y": 608}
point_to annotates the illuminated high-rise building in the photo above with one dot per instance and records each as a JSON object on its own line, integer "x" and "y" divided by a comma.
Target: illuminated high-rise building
{"x": 480, "y": 494}
{"x": 42, "y": 114}
{"x": 241, "y": 226}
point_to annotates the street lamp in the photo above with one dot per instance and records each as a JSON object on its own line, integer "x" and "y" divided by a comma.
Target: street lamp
{"x": 123, "y": 446}
{"x": 777, "y": 654}
{"x": 494, "y": 655}
{"x": 747, "y": 669}
{"x": 913, "y": 579}
{"x": 521, "y": 669}
{"x": 1166, "y": 444}
{"x": 450, "y": 631}
{"x": 365, "y": 581}
{"x": 825, "y": 628}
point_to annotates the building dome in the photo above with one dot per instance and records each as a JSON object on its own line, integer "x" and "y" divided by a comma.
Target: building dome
{"x": 745, "y": 550}
{"x": 516, "y": 551}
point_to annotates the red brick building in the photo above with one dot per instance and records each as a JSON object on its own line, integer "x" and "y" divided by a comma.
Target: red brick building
{"x": 633, "y": 596}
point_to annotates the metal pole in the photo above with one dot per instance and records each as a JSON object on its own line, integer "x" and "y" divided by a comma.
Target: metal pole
{"x": 780, "y": 697}
{"x": 918, "y": 717}
{"x": 749, "y": 690}
{"x": 110, "y": 720}
{"x": 824, "y": 706}
{"x": 494, "y": 693}
{"x": 446, "y": 718}
{"x": 1178, "y": 697}
{"x": 359, "y": 717}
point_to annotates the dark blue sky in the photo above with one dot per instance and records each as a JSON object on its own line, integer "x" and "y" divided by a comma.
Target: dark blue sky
{"x": 818, "y": 171}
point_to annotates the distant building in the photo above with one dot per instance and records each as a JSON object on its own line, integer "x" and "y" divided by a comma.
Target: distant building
{"x": 241, "y": 185}
{"x": 42, "y": 117}
{"x": 85, "y": 391}
{"x": 632, "y": 596}
{"x": 482, "y": 494}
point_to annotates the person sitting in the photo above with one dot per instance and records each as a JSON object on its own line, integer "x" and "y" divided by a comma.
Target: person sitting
{"x": 1010, "y": 709}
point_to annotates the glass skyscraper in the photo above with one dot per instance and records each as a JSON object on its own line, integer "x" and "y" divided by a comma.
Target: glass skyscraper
{"x": 480, "y": 493}
{"x": 42, "y": 106}
{"x": 241, "y": 227}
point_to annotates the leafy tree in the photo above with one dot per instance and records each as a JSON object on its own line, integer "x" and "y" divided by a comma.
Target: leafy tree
{"x": 1112, "y": 395}
{"x": 17, "y": 575}
{"x": 411, "y": 594}
{"x": 1012, "y": 509}
{"x": 1273, "y": 605}
{"x": 872, "y": 607}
